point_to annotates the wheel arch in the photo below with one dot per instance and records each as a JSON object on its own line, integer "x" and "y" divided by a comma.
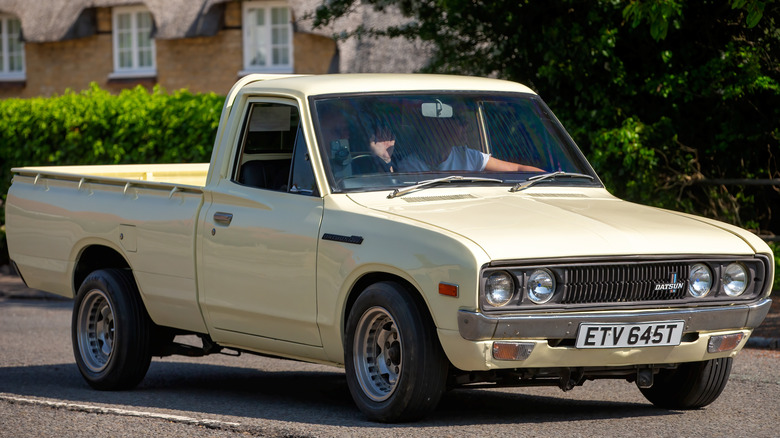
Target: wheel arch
{"x": 376, "y": 277}
{"x": 93, "y": 257}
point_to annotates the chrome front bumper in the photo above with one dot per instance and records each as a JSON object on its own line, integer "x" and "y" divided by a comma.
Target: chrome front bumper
{"x": 476, "y": 326}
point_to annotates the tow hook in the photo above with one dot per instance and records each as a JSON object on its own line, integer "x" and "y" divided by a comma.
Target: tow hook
{"x": 644, "y": 377}
{"x": 569, "y": 378}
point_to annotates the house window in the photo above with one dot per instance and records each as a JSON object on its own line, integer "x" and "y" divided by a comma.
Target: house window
{"x": 267, "y": 37}
{"x": 134, "y": 51}
{"x": 11, "y": 49}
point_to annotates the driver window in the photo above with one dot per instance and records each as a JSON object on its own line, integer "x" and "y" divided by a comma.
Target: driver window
{"x": 271, "y": 137}
{"x": 266, "y": 146}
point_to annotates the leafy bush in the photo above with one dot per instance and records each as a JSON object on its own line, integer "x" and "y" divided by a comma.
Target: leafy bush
{"x": 95, "y": 127}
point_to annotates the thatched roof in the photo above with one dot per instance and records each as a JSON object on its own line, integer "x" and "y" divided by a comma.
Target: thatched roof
{"x": 58, "y": 20}
{"x": 367, "y": 55}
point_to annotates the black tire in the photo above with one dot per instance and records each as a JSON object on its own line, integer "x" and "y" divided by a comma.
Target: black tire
{"x": 111, "y": 331}
{"x": 691, "y": 386}
{"x": 410, "y": 374}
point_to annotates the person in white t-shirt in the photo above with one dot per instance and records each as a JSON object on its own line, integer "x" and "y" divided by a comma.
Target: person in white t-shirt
{"x": 450, "y": 153}
{"x": 465, "y": 159}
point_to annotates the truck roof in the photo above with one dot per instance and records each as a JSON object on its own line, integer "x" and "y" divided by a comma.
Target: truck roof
{"x": 376, "y": 82}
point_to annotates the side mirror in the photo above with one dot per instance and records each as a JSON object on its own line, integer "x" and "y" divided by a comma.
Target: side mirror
{"x": 436, "y": 110}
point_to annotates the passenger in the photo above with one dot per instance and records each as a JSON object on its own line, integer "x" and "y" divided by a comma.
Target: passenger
{"x": 446, "y": 156}
{"x": 466, "y": 159}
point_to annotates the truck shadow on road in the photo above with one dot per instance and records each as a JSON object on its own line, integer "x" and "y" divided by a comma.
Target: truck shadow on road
{"x": 307, "y": 397}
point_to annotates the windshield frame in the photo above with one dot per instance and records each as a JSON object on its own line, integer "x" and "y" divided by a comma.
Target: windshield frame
{"x": 401, "y": 179}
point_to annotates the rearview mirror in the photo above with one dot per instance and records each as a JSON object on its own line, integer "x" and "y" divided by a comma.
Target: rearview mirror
{"x": 437, "y": 110}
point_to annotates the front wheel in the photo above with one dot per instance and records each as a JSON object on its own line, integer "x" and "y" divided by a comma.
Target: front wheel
{"x": 691, "y": 385}
{"x": 111, "y": 331}
{"x": 395, "y": 367}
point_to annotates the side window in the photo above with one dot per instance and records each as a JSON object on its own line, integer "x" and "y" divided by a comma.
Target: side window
{"x": 272, "y": 132}
{"x": 302, "y": 173}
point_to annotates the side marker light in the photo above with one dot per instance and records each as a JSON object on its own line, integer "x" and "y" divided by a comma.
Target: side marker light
{"x": 450, "y": 290}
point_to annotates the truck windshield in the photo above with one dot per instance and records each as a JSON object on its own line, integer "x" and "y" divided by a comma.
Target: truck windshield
{"x": 371, "y": 142}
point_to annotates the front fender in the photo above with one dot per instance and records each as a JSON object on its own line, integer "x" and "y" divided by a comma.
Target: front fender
{"x": 391, "y": 248}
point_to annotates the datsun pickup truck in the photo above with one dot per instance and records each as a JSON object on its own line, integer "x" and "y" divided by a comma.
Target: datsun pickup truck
{"x": 423, "y": 232}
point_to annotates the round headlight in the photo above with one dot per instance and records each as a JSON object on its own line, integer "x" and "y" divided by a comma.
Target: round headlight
{"x": 499, "y": 288}
{"x": 699, "y": 280}
{"x": 735, "y": 279}
{"x": 541, "y": 286}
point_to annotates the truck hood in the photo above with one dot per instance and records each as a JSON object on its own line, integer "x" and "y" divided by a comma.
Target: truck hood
{"x": 535, "y": 224}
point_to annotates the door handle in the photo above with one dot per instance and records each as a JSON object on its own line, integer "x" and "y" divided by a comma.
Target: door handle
{"x": 222, "y": 218}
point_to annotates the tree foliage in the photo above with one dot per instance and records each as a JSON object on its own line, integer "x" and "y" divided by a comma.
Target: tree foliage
{"x": 660, "y": 94}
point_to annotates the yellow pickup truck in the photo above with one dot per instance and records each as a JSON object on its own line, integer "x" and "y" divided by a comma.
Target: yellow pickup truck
{"x": 424, "y": 232}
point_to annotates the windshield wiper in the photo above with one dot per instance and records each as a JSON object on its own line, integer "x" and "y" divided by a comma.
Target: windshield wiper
{"x": 444, "y": 180}
{"x": 552, "y": 175}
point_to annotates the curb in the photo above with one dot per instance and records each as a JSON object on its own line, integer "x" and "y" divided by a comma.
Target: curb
{"x": 763, "y": 343}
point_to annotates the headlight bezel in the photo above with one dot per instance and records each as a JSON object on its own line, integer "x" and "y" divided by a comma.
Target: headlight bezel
{"x": 520, "y": 297}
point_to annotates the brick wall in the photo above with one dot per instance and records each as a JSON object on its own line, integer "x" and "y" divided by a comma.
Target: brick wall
{"x": 54, "y": 67}
{"x": 313, "y": 53}
{"x": 200, "y": 64}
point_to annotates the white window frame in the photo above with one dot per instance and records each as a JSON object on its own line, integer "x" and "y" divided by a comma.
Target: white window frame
{"x": 248, "y": 31}
{"x": 5, "y": 73}
{"x": 135, "y": 71}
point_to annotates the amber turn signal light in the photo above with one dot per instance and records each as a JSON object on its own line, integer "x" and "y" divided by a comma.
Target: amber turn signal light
{"x": 451, "y": 290}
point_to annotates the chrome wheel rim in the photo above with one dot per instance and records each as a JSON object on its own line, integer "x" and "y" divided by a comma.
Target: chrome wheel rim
{"x": 377, "y": 354}
{"x": 96, "y": 331}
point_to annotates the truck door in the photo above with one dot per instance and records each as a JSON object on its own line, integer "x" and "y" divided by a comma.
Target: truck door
{"x": 257, "y": 256}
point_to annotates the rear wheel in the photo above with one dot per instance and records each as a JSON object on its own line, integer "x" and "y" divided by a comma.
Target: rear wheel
{"x": 691, "y": 385}
{"x": 111, "y": 331}
{"x": 396, "y": 369}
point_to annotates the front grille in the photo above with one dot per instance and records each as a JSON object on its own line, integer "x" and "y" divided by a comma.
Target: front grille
{"x": 624, "y": 283}
{"x": 630, "y": 283}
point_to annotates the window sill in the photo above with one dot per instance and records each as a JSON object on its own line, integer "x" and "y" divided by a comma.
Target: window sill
{"x": 13, "y": 77}
{"x": 141, "y": 74}
{"x": 140, "y": 78}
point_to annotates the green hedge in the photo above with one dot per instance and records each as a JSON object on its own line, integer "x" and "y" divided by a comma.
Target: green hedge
{"x": 95, "y": 127}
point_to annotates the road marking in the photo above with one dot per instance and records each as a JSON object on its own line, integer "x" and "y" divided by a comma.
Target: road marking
{"x": 123, "y": 412}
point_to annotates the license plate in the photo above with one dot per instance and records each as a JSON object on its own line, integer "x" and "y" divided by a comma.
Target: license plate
{"x": 648, "y": 334}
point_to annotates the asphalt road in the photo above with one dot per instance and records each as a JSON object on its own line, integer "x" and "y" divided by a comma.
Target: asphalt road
{"x": 42, "y": 394}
